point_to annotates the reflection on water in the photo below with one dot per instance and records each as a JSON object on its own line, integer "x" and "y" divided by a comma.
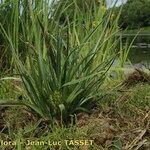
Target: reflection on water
{"x": 139, "y": 55}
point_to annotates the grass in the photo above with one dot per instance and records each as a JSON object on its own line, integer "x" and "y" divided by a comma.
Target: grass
{"x": 119, "y": 120}
{"x": 5, "y": 92}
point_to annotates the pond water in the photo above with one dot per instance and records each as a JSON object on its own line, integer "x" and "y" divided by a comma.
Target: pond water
{"x": 139, "y": 55}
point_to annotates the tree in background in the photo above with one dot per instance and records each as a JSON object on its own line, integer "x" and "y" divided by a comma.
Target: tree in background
{"x": 135, "y": 14}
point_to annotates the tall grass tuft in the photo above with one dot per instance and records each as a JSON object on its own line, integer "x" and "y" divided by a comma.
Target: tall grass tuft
{"x": 67, "y": 55}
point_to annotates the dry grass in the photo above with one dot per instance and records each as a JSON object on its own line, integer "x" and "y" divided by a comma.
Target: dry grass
{"x": 133, "y": 133}
{"x": 138, "y": 76}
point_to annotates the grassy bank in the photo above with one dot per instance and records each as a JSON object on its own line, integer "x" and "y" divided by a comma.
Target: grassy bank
{"x": 144, "y": 30}
{"x": 118, "y": 120}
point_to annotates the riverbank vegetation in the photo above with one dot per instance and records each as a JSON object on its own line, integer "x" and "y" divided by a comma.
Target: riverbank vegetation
{"x": 119, "y": 120}
{"x": 57, "y": 84}
{"x": 142, "y": 30}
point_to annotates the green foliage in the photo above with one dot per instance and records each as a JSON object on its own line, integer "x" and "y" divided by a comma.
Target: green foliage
{"x": 135, "y": 14}
{"x": 65, "y": 64}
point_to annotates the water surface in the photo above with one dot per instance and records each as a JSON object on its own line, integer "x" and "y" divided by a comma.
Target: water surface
{"x": 139, "y": 54}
